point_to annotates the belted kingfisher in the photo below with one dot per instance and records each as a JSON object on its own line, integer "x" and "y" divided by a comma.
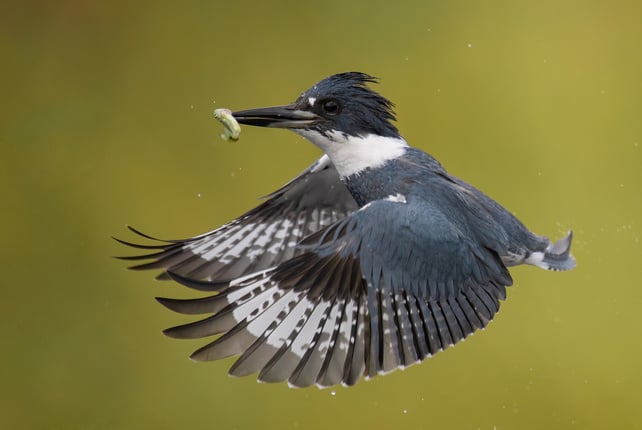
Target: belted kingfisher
{"x": 372, "y": 259}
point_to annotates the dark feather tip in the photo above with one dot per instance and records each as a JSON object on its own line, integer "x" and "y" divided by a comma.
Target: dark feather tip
{"x": 196, "y": 284}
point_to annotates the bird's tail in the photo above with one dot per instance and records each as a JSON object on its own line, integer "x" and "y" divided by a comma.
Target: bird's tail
{"x": 557, "y": 256}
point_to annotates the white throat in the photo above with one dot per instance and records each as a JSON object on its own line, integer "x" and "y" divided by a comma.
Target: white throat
{"x": 352, "y": 154}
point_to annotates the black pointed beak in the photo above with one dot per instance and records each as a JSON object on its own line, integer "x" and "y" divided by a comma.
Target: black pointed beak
{"x": 277, "y": 116}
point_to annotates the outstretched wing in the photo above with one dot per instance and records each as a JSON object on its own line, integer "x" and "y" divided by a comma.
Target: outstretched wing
{"x": 263, "y": 237}
{"x": 378, "y": 290}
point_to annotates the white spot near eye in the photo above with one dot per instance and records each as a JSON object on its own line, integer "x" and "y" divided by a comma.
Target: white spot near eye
{"x": 311, "y": 100}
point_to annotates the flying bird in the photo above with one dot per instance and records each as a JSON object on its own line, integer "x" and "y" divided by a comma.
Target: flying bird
{"x": 370, "y": 260}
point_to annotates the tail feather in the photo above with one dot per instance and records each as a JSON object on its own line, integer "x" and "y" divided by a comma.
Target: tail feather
{"x": 557, "y": 256}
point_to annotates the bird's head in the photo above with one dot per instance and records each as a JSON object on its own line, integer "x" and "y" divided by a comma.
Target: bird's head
{"x": 341, "y": 115}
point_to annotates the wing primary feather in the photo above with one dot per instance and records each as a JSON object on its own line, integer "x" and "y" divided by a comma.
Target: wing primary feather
{"x": 233, "y": 342}
{"x": 489, "y": 301}
{"x": 418, "y": 327}
{"x": 325, "y": 347}
{"x": 264, "y": 258}
{"x": 407, "y": 336}
{"x": 312, "y": 278}
{"x": 478, "y": 306}
{"x": 442, "y": 326}
{"x": 391, "y": 356}
{"x": 191, "y": 266}
{"x": 140, "y": 246}
{"x": 164, "y": 259}
{"x": 199, "y": 285}
{"x": 257, "y": 354}
{"x": 464, "y": 324}
{"x": 139, "y": 257}
{"x": 253, "y": 321}
{"x": 430, "y": 325}
{"x": 332, "y": 367}
{"x": 454, "y": 329}
{"x": 302, "y": 343}
{"x": 328, "y": 277}
{"x": 376, "y": 330}
{"x": 469, "y": 311}
{"x": 281, "y": 366}
{"x": 202, "y": 305}
{"x": 244, "y": 303}
{"x": 354, "y": 284}
{"x": 266, "y": 346}
{"x": 146, "y": 236}
{"x": 355, "y": 364}
{"x": 308, "y": 368}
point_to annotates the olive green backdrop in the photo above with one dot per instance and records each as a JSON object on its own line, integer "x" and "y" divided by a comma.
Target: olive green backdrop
{"x": 106, "y": 120}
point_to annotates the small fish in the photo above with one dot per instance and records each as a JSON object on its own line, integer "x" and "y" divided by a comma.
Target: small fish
{"x": 232, "y": 129}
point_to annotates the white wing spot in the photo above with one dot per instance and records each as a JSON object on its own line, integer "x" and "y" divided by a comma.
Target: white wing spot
{"x": 397, "y": 198}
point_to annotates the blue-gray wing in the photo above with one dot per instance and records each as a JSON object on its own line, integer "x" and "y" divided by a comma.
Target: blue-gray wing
{"x": 383, "y": 288}
{"x": 263, "y": 237}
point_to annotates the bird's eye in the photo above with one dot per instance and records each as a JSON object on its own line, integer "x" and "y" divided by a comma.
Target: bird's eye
{"x": 331, "y": 107}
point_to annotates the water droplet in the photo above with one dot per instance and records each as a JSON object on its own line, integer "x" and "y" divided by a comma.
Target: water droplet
{"x": 333, "y": 393}
{"x": 470, "y": 45}
{"x": 405, "y": 411}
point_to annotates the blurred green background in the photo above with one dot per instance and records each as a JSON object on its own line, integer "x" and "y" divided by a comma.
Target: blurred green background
{"x": 106, "y": 120}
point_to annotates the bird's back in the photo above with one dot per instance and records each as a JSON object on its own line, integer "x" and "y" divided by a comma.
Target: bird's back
{"x": 437, "y": 200}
